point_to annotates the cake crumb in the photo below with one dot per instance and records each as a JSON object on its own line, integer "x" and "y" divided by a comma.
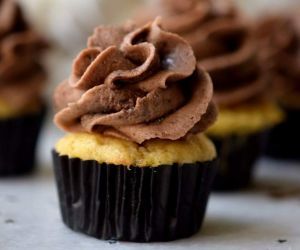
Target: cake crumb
{"x": 9, "y": 221}
{"x": 112, "y": 241}
{"x": 281, "y": 241}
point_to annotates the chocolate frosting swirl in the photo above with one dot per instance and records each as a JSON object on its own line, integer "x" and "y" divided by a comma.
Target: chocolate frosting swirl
{"x": 224, "y": 45}
{"x": 21, "y": 74}
{"x": 137, "y": 84}
{"x": 279, "y": 39}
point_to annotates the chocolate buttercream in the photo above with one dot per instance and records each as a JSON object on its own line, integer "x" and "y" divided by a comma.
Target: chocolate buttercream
{"x": 136, "y": 84}
{"x": 21, "y": 74}
{"x": 223, "y": 42}
{"x": 279, "y": 38}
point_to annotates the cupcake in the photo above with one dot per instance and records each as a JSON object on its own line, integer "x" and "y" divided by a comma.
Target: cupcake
{"x": 21, "y": 82}
{"x": 279, "y": 39}
{"x": 135, "y": 165}
{"x": 225, "y": 46}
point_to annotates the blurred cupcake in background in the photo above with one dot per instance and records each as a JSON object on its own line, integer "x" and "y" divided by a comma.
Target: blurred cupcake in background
{"x": 136, "y": 107}
{"x": 225, "y": 46}
{"x": 22, "y": 79}
{"x": 279, "y": 38}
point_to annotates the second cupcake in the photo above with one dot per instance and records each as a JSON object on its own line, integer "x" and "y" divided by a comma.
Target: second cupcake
{"x": 225, "y": 47}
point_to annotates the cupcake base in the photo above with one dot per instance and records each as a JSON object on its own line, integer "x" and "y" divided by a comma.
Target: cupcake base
{"x": 18, "y": 143}
{"x": 236, "y": 159}
{"x": 283, "y": 142}
{"x": 146, "y": 204}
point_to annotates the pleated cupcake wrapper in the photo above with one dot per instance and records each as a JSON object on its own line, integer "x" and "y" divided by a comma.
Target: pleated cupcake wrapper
{"x": 284, "y": 138}
{"x": 133, "y": 204}
{"x": 18, "y": 137}
{"x": 236, "y": 159}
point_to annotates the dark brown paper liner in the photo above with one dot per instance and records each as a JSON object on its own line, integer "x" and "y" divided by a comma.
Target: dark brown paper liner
{"x": 236, "y": 159}
{"x": 283, "y": 142}
{"x": 18, "y": 137}
{"x": 112, "y": 202}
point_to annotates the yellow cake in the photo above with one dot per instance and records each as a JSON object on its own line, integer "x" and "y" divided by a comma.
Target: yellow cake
{"x": 246, "y": 119}
{"x": 104, "y": 149}
{"x": 8, "y": 112}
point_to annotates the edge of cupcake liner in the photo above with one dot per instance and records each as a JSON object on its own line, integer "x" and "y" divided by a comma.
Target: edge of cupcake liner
{"x": 18, "y": 143}
{"x": 237, "y": 155}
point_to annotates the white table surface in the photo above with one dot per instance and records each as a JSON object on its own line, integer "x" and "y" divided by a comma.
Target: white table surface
{"x": 255, "y": 219}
